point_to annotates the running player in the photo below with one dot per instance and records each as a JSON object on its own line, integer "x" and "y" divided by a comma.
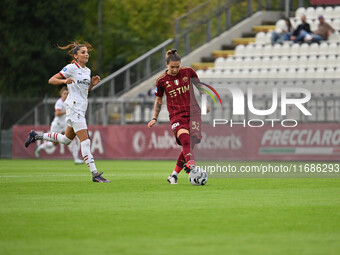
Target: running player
{"x": 79, "y": 82}
{"x": 184, "y": 111}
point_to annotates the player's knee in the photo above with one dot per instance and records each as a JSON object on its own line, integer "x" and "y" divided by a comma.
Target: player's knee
{"x": 184, "y": 139}
{"x": 65, "y": 140}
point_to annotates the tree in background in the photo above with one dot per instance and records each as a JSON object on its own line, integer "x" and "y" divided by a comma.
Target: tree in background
{"x": 131, "y": 28}
{"x": 30, "y": 30}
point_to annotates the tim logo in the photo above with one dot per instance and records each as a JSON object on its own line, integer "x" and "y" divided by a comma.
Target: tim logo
{"x": 204, "y": 96}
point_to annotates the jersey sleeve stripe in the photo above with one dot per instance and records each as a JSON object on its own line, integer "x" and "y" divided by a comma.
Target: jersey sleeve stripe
{"x": 62, "y": 75}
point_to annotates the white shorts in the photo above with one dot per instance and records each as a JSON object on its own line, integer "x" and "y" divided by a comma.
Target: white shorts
{"x": 75, "y": 120}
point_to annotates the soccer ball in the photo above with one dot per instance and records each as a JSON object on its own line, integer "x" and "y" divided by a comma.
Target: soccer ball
{"x": 198, "y": 177}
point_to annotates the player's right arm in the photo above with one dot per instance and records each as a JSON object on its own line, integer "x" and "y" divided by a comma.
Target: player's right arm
{"x": 58, "y": 79}
{"x": 156, "y": 110}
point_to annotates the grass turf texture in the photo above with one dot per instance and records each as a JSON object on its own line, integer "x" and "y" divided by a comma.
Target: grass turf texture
{"x": 52, "y": 207}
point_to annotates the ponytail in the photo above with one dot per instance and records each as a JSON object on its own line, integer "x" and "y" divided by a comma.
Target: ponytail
{"x": 74, "y": 47}
{"x": 172, "y": 55}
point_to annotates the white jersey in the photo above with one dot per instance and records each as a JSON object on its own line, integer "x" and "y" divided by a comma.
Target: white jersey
{"x": 79, "y": 89}
{"x": 59, "y": 122}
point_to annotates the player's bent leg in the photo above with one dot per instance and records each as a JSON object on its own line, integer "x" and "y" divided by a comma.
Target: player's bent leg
{"x": 51, "y": 137}
{"x": 184, "y": 137}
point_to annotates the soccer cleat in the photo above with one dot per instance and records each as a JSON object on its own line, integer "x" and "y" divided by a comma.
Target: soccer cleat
{"x": 78, "y": 161}
{"x": 99, "y": 178}
{"x": 37, "y": 152}
{"x": 172, "y": 179}
{"x": 187, "y": 168}
{"x": 31, "y": 138}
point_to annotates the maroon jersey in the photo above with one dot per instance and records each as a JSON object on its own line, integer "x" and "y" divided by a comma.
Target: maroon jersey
{"x": 179, "y": 92}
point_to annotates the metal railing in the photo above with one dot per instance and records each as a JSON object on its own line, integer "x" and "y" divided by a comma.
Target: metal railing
{"x": 325, "y": 107}
{"x": 193, "y": 29}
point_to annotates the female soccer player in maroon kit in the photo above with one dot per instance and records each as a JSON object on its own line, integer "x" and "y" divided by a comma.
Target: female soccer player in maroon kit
{"x": 184, "y": 111}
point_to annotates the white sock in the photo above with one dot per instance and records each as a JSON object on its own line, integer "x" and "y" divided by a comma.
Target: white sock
{"x": 174, "y": 173}
{"x": 56, "y": 137}
{"x": 88, "y": 158}
{"x": 73, "y": 147}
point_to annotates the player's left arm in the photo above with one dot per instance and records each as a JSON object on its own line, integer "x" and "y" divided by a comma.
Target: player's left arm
{"x": 59, "y": 112}
{"x": 94, "y": 81}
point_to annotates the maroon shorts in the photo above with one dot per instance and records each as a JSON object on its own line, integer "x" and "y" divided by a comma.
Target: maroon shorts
{"x": 193, "y": 125}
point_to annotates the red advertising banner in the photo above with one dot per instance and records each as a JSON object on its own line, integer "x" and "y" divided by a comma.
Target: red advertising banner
{"x": 303, "y": 142}
{"x": 108, "y": 142}
{"x": 325, "y": 2}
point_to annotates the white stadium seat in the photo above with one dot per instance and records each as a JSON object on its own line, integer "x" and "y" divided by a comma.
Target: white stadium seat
{"x": 336, "y": 24}
{"x": 310, "y": 73}
{"x": 301, "y": 73}
{"x": 314, "y": 49}
{"x": 276, "y": 50}
{"x": 331, "y": 61}
{"x": 323, "y": 48}
{"x": 285, "y": 49}
{"x": 302, "y": 61}
{"x": 320, "y": 73}
{"x": 312, "y": 61}
{"x": 239, "y": 50}
{"x": 261, "y": 38}
{"x": 294, "y": 62}
{"x": 249, "y": 50}
{"x": 295, "y": 49}
{"x": 267, "y": 50}
{"x": 328, "y": 12}
{"x": 322, "y": 61}
{"x": 219, "y": 62}
{"x": 310, "y": 13}
{"x": 332, "y": 48}
{"x": 283, "y": 62}
{"x": 269, "y": 37}
{"x": 299, "y": 12}
{"x": 330, "y": 74}
{"x": 304, "y": 49}
{"x": 336, "y": 12}
{"x": 229, "y": 63}
{"x": 319, "y": 11}
{"x": 265, "y": 62}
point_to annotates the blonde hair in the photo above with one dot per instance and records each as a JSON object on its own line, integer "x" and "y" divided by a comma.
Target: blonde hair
{"x": 74, "y": 47}
{"x": 172, "y": 55}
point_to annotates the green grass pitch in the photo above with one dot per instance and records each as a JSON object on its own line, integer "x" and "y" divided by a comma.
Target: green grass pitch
{"x": 52, "y": 207}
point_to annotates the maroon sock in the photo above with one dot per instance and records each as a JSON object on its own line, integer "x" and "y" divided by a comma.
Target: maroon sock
{"x": 185, "y": 141}
{"x": 180, "y": 162}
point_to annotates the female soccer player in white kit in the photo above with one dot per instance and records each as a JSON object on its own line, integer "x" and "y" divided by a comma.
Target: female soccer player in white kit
{"x": 59, "y": 125}
{"x": 79, "y": 82}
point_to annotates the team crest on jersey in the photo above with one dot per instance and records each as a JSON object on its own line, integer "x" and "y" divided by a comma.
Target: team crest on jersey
{"x": 176, "y": 82}
{"x": 185, "y": 79}
{"x": 64, "y": 69}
